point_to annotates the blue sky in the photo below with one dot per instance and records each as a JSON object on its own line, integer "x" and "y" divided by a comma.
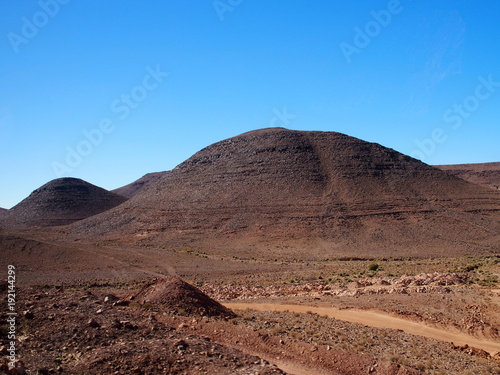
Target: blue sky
{"x": 109, "y": 91}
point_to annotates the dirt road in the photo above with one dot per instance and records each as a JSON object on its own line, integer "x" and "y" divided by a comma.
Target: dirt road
{"x": 378, "y": 320}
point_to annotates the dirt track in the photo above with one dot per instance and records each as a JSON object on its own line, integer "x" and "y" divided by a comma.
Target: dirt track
{"x": 379, "y": 320}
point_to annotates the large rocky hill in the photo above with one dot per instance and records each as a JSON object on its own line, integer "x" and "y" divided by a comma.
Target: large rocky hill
{"x": 305, "y": 193}
{"x": 61, "y": 201}
{"x": 487, "y": 174}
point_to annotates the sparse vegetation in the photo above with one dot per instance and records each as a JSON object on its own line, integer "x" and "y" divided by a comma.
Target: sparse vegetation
{"x": 373, "y": 266}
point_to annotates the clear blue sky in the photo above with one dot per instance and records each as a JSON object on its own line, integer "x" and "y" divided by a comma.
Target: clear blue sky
{"x": 416, "y": 76}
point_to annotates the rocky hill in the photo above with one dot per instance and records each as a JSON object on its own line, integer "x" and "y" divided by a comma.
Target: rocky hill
{"x": 487, "y": 174}
{"x": 277, "y": 192}
{"x": 59, "y": 202}
{"x": 135, "y": 187}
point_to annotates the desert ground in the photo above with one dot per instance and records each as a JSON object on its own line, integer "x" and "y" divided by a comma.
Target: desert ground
{"x": 81, "y": 311}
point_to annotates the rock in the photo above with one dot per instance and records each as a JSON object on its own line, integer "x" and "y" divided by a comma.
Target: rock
{"x": 110, "y": 298}
{"x": 93, "y": 323}
{"x": 19, "y": 369}
{"x": 181, "y": 344}
{"x": 127, "y": 324}
{"x": 473, "y": 351}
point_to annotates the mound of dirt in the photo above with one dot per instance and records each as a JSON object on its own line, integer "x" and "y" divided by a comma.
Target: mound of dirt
{"x": 276, "y": 192}
{"x": 59, "y": 202}
{"x": 487, "y": 174}
{"x": 136, "y": 187}
{"x": 174, "y": 295}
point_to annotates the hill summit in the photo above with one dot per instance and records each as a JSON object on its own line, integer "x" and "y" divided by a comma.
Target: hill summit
{"x": 59, "y": 202}
{"x": 305, "y": 191}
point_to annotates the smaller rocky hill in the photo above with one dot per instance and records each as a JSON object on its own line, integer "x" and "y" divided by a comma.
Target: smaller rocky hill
{"x": 136, "y": 187}
{"x": 59, "y": 202}
{"x": 174, "y": 295}
{"x": 487, "y": 174}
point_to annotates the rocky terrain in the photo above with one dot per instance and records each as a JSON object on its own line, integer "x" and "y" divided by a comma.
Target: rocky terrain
{"x": 487, "y": 174}
{"x": 59, "y": 202}
{"x": 77, "y": 331}
{"x": 160, "y": 327}
{"x": 279, "y": 191}
{"x": 422, "y": 283}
